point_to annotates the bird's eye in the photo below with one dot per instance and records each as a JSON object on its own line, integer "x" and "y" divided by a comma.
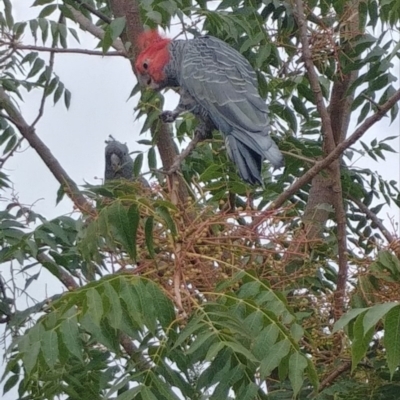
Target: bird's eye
{"x": 145, "y": 65}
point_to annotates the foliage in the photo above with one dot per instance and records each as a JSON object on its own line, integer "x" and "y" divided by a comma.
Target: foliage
{"x": 207, "y": 300}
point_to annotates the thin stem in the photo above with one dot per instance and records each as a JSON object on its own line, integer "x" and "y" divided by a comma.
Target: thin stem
{"x": 68, "y": 51}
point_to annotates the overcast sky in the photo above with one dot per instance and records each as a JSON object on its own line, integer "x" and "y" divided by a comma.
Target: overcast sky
{"x": 100, "y": 88}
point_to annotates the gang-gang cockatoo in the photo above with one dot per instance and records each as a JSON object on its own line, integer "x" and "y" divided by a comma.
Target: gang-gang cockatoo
{"x": 219, "y": 86}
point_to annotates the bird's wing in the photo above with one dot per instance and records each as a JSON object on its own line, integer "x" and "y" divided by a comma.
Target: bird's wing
{"x": 224, "y": 83}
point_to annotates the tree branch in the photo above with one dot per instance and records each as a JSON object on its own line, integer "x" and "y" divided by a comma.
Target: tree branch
{"x": 45, "y": 154}
{"x": 336, "y": 153}
{"x": 93, "y": 11}
{"x": 333, "y": 182}
{"x": 179, "y": 159}
{"x": 334, "y": 375}
{"x": 96, "y": 31}
{"x": 11, "y": 152}
{"x": 69, "y": 51}
{"x": 66, "y": 278}
{"x": 299, "y": 14}
{"x": 374, "y": 218}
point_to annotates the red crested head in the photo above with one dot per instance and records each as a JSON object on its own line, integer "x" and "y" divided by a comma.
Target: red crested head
{"x": 153, "y": 57}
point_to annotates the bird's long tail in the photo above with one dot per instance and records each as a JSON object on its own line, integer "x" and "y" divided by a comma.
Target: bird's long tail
{"x": 248, "y": 154}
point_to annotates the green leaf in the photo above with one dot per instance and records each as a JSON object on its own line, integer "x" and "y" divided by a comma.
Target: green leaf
{"x": 115, "y": 313}
{"x": 152, "y": 159}
{"x": 70, "y": 334}
{"x": 117, "y": 26}
{"x": 361, "y": 341}
{"x": 137, "y": 164}
{"x": 10, "y": 383}
{"x": 67, "y": 98}
{"x": 74, "y": 33}
{"x": 300, "y": 107}
{"x": 8, "y": 13}
{"x": 30, "y": 358}
{"x": 44, "y": 27}
{"x": 166, "y": 216}
{"x": 155, "y": 16}
{"x": 148, "y": 231}
{"x": 129, "y": 394}
{"x": 41, "y": 2}
{"x": 345, "y": 319}
{"x": 392, "y": 338}
{"x": 162, "y": 304}
{"x": 58, "y": 93}
{"x": 376, "y": 313}
{"x": 124, "y": 226}
{"x": 297, "y": 365}
{"x": 364, "y": 112}
{"x": 107, "y": 40}
{"x": 46, "y": 11}
{"x": 277, "y": 353}
{"x": 49, "y": 346}
{"x": 95, "y": 305}
{"x": 37, "y": 66}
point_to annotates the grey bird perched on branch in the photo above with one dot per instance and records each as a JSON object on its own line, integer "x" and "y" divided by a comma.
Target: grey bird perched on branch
{"x": 119, "y": 164}
{"x": 219, "y": 86}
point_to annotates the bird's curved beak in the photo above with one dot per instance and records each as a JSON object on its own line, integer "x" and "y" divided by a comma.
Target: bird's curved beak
{"x": 115, "y": 162}
{"x": 146, "y": 81}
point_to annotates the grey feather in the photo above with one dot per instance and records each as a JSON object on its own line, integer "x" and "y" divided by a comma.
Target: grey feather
{"x": 224, "y": 86}
{"x": 119, "y": 164}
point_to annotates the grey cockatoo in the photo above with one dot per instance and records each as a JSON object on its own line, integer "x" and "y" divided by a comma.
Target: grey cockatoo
{"x": 119, "y": 164}
{"x": 219, "y": 86}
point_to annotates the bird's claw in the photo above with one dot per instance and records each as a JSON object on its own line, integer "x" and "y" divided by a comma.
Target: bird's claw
{"x": 168, "y": 116}
{"x": 203, "y": 134}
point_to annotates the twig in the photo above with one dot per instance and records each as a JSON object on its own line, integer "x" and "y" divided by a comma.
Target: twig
{"x": 333, "y": 375}
{"x": 69, "y": 51}
{"x": 44, "y": 152}
{"x": 374, "y": 218}
{"x": 11, "y": 152}
{"x": 299, "y": 157}
{"x": 93, "y": 11}
{"x": 179, "y": 159}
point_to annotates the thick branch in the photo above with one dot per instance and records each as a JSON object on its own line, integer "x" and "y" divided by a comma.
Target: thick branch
{"x": 66, "y": 279}
{"x": 319, "y": 166}
{"x": 44, "y": 152}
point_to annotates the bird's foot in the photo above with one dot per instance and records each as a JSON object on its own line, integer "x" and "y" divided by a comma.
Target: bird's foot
{"x": 168, "y": 116}
{"x": 202, "y": 134}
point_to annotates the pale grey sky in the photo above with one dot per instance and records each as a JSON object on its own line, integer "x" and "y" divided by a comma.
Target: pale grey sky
{"x": 100, "y": 88}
